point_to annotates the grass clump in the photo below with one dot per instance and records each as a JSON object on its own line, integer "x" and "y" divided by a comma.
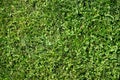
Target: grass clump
{"x": 59, "y": 40}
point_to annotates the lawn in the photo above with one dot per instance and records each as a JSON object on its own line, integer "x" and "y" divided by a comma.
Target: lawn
{"x": 59, "y": 40}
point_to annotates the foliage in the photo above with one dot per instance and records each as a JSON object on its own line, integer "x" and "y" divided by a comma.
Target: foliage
{"x": 59, "y": 40}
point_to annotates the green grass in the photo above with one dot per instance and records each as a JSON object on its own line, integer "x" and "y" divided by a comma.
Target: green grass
{"x": 59, "y": 40}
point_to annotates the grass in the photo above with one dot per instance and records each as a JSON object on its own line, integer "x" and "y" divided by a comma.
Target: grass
{"x": 59, "y": 40}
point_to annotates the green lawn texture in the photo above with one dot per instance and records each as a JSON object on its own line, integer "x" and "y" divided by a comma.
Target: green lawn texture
{"x": 59, "y": 39}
